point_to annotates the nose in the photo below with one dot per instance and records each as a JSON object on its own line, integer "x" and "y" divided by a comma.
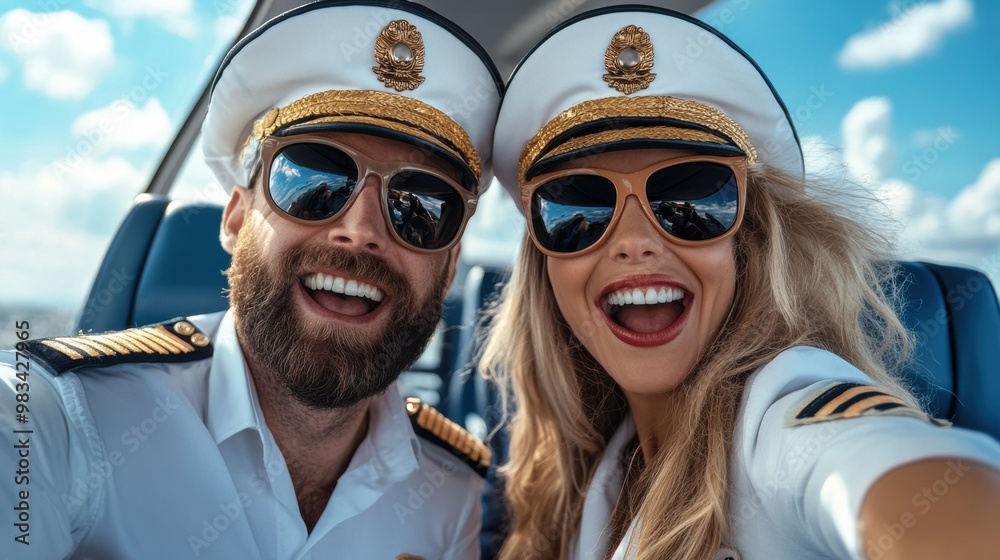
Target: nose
{"x": 362, "y": 225}
{"x": 634, "y": 238}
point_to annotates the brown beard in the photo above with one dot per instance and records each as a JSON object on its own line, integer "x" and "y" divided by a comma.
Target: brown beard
{"x": 336, "y": 366}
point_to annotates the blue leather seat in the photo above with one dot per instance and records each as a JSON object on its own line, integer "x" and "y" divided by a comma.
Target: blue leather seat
{"x": 955, "y": 316}
{"x": 953, "y": 312}
{"x": 166, "y": 261}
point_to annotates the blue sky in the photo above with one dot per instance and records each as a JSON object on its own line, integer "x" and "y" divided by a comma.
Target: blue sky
{"x": 141, "y": 45}
{"x": 900, "y": 96}
{"x": 954, "y": 85}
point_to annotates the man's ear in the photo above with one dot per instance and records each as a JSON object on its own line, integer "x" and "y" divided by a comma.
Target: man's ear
{"x": 453, "y": 262}
{"x": 233, "y": 215}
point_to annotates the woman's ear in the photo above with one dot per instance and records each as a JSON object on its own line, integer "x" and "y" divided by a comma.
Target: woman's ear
{"x": 233, "y": 215}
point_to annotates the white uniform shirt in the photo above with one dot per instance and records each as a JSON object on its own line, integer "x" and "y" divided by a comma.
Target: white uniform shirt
{"x": 174, "y": 460}
{"x": 797, "y": 491}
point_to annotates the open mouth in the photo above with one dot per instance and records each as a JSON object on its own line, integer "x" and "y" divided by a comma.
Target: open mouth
{"x": 646, "y": 315}
{"x": 343, "y": 296}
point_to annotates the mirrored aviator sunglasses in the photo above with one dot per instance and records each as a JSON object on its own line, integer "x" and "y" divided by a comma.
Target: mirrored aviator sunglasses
{"x": 694, "y": 200}
{"x": 311, "y": 179}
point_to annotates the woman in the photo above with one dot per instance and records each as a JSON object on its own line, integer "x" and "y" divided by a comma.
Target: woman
{"x": 698, "y": 350}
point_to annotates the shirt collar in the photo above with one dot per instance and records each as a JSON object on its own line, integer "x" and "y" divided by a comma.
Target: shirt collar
{"x": 392, "y": 445}
{"x": 602, "y": 495}
{"x": 390, "y": 449}
{"x": 232, "y": 401}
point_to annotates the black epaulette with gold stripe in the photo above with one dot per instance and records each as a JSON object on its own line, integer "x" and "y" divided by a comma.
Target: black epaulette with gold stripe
{"x": 431, "y": 424}
{"x": 176, "y": 340}
{"x": 851, "y": 400}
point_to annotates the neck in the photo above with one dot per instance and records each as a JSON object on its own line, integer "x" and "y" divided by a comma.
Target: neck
{"x": 655, "y": 418}
{"x": 317, "y": 444}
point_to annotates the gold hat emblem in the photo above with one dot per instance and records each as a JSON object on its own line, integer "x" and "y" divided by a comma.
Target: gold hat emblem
{"x": 399, "y": 51}
{"x": 629, "y": 59}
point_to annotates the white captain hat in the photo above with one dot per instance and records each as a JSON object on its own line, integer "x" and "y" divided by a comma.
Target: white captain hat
{"x": 636, "y": 76}
{"x": 385, "y": 67}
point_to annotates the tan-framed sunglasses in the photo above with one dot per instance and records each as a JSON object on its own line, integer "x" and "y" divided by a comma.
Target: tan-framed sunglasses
{"x": 692, "y": 200}
{"x": 311, "y": 179}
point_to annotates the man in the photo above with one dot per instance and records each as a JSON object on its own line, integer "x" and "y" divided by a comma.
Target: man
{"x": 354, "y": 138}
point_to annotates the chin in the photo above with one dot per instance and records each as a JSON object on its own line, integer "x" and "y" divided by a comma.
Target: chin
{"x": 647, "y": 378}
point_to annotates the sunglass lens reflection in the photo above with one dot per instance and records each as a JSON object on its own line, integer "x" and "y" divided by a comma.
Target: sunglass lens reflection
{"x": 312, "y": 181}
{"x": 571, "y": 213}
{"x": 425, "y": 211}
{"x": 694, "y": 201}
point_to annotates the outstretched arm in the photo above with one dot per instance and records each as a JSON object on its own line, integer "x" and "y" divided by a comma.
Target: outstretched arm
{"x": 36, "y": 499}
{"x": 933, "y": 509}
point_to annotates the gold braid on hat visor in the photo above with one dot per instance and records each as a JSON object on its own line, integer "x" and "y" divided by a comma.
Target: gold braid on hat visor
{"x": 652, "y": 107}
{"x": 387, "y": 110}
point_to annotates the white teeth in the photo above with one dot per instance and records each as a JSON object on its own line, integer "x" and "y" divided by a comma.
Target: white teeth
{"x": 338, "y": 285}
{"x": 650, "y": 296}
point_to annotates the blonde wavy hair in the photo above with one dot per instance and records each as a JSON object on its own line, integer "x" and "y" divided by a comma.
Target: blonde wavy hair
{"x": 807, "y": 273}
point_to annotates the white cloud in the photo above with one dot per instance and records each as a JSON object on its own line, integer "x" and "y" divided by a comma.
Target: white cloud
{"x": 64, "y": 55}
{"x": 231, "y": 16}
{"x": 822, "y": 158}
{"x": 121, "y": 125}
{"x": 73, "y": 190}
{"x": 928, "y": 137}
{"x": 975, "y": 212}
{"x": 911, "y": 33}
{"x": 65, "y": 214}
{"x": 963, "y": 230}
{"x": 176, "y": 16}
{"x": 228, "y": 25}
{"x": 868, "y": 150}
